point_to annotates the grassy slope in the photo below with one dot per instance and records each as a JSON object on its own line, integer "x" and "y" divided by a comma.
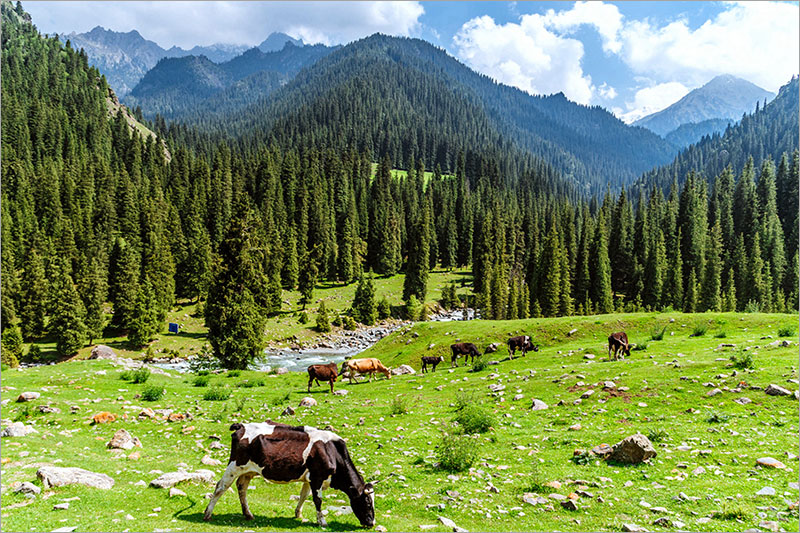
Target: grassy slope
{"x": 399, "y": 450}
{"x": 337, "y": 298}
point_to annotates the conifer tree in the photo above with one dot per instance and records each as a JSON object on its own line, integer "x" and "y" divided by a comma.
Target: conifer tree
{"x": 93, "y": 292}
{"x": 307, "y": 279}
{"x": 416, "y": 280}
{"x": 34, "y": 308}
{"x": 11, "y": 346}
{"x": 755, "y": 274}
{"x": 654, "y": 272}
{"x": 601, "y": 276}
{"x": 291, "y": 268}
{"x": 691, "y": 299}
{"x": 123, "y": 281}
{"x": 323, "y": 320}
{"x": 673, "y": 284}
{"x": 66, "y": 324}
{"x": 236, "y": 297}
{"x": 729, "y": 298}
{"x": 364, "y": 305}
{"x": 384, "y": 308}
{"x": 712, "y": 284}
{"x": 144, "y": 323}
{"x": 551, "y": 272}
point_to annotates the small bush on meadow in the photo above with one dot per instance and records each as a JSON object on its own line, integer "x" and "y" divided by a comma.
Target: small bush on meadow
{"x": 479, "y": 364}
{"x": 658, "y": 335}
{"x": 657, "y": 435}
{"x": 786, "y": 331}
{"x": 350, "y": 323}
{"x": 743, "y": 360}
{"x": 463, "y": 399}
{"x": 399, "y": 405}
{"x": 717, "y": 418}
{"x": 141, "y": 375}
{"x": 250, "y": 383}
{"x": 152, "y": 393}
{"x": 456, "y": 453}
{"x": 201, "y": 381}
{"x": 234, "y": 373}
{"x": 126, "y": 375}
{"x": 752, "y": 307}
{"x": 699, "y": 330}
{"x": 582, "y": 458}
{"x": 303, "y": 318}
{"x": 732, "y": 513}
{"x": 384, "y": 309}
{"x": 640, "y": 347}
{"x": 216, "y": 394}
{"x": 721, "y": 334}
{"x": 34, "y": 353}
{"x": 474, "y": 419}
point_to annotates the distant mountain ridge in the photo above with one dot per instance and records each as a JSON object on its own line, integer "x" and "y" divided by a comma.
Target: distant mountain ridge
{"x": 125, "y": 57}
{"x": 724, "y": 97}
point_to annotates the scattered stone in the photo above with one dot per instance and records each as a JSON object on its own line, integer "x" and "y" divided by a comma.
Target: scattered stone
{"x": 62, "y": 506}
{"x": 54, "y": 476}
{"x": 281, "y": 371}
{"x": 341, "y": 392}
{"x": 575, "y": 427}
{"x": 381, "y": 529}
{"x": 538, "y": 405}
{"x": 633, "y": 528}
{"x": 572, "y": 332}
{"x": 533, "y": 499}
{"x": 308, "y": 402}
{"x": 173, "y": 492}
{"x": 609, "y": 385}
{"x": 744, "y": 400}
{"x": 633, "y": 450}
{"x": 134, "y": 456}
{"x": 518, "y": 397}
{"x": 714, "y": 392}
{"x": 569, "y": 505}
{"x": 28, "y": 488}
{"x": 17, "y": 429}
{"x": 208, "y": 460}
{"x": 65, "y": 529}
{"x": 449, "y": 523}
{"x": 122, "y": 440}
{"x": 602, "y": 450}
{"x": 47, "y": 409}
{"x": 587, "y": 394}
{"x": 588, "y": 356}
{"x": 170, "y": 479}
{"x": 289, "y": 411}
{"x": 403, "y": 370}
{"x": 101, "y": 351}
{"x": 776, "y": 390}
{"x": 770, "y": 462}
{"x": 147, "y": 413}
{"x": 662, "y": 521}
{"x": 766, "y": 491}
{"x": 556, "y": 496}
{"x": 770, "y": 525}
{"x": 28, "y": 396}
{"x": 698, "y": 471}
{"x": 103, "y": 417}
{"x": 176, "y": 417}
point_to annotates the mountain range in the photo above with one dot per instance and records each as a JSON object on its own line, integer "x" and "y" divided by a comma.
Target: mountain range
{"x": 706, "y": 110}
{"x": 125, "y": 57}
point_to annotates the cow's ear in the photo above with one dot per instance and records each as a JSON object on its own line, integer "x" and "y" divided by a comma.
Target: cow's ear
{"x": 369, "y": 488}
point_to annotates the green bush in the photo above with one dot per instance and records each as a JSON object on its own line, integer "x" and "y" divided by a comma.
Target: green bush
{"x": 658, "y": 335}
{"x": 141, "y": 375}
{"x": 126, "y": 375}
{"x": 463, "y": 399}
{"x": 732, "y": 513}
{"x": 201, "y": 381}
{"x": 413, "y": 308}
{"x": 337, "y": 321}
{"x": 752, "y": 307}
{"x": 743, "y": 360}
{"x": 474, "y": 419}
{"x": 640, "y": 347}
{"x": 303, "y": 318}
{"x": 479, "y": 364}
{"x": 323, "y": 321}
{"x": 582, "y": 458}
{"x": 11, "y": 346}
{"x": 657, "y": 435}
{"x": 350, "y": 323}
{"x": 249, "y": 384}
{"x": 721, "y": 334}
{"x": 786, "y": 331}
{"x": 456, "y": 453}
{"x": 152, "y": 393}
{"x": 234, "y": 373}
{"x": 216, "y": 394}
{"x": 384, "y": 309}
{"x": 399, "y": 405}
{"x": 34, "y": 352}
{"x": 699, "y": 330}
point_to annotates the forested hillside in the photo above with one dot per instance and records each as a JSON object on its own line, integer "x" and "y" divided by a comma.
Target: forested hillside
{"x": 97, "y": 222}
{"x": 189, "y": 88}
{"x": 408, "y": 99}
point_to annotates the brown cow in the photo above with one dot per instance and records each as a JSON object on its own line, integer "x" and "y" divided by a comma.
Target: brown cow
{"x": 369, "y": 365}
{"x": 431, "y": 360}
{"x": 467, "y": 349}
{"x": 322, "y": 372}
{"x": 284, "y": 454}
{"x": 521, "y": 342}
{"x": 618, "y": 342}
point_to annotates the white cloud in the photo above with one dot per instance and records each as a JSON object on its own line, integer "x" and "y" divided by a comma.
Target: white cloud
{"x": 525, "y": 55}
{"x": 606, "y": 91}
{"x": 757, "y": 41}
{"x": 191, "y": 23}
{"x": 651, "y": 99}
{"x": 605, "y": 18}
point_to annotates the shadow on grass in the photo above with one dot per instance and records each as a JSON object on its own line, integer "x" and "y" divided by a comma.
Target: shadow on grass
{"x": 274, "y": 523}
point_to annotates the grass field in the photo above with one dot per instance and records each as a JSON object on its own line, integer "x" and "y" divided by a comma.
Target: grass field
{"x": 279, "y": 329}
{"x": 403, "y": 418}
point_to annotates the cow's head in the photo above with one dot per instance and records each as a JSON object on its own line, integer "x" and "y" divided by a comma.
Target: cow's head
{"x": 363, "y": 505}
{"x": 441, "y": 358}
{"x": 626, "y": 349}
{"x": 534, "y": 347}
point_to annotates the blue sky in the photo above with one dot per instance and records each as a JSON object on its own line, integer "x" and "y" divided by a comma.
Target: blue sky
{"x": 632, "y": 58}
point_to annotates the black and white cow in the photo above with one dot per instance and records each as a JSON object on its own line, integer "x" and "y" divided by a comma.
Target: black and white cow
{"x": 285, "y": 454}
{"x": 522, "y": 342}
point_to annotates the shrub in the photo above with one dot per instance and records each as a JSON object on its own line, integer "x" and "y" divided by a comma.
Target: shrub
{"x": 399, "y": 405}
{"x": 152, "y": 393}
{"x": 384, "y": 309}
{"x": 479, "y": 364}
{"x": 364, "y": 307}
{"x": 126, "y": 375}
{"x": 216, "y": 394}
{"x": 350, "y": 323}
{"x": 582, "y": 458}
{"x": 234, "y": 373}
{"x": 752, "y": 307}
{"x": 303, "y": 318}
{"x": 323, "y": 321}
{"x": 413, "y": 308}
{"x": 463, "y": 399}
{"x": 732, "y": 513}
{"x": 449, "y": 297}
{"x": 743, "y": 360}
{"x": 11, "y": 346}
{"x": 201, "y": 381}
{"x": 721, "y": 334}
{"x": 785, "y": 331}
{"x": 456, "y": 453}
{"x": 474, "y": 419}
{"x": 717, "y": 418}
{"x": 699, "y": 330}
{"x": 337, "y": 321}
{"x": 204, "y": 361}
{"x": 658, "y": 335}
{"x": 141, "y": 375}
{"x": 249, "y": 384}
{"x": 34, "y": 352}
{"x": 640, "y": 347}
{"x": 657, "y": 435}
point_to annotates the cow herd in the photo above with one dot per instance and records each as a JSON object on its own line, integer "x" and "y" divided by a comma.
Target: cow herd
{"x": 319, "y": 459}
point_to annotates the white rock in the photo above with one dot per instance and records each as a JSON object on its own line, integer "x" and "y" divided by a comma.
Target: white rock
{"x": 403, "y": 370}
{"x": 28, "y": 396}
{"x": 766, "y": 491}
{"x": 173, "y": 492}
{"x": 17, "y": 429}
{"x": 207, "y": 460}
{"x": 308, "y": 402}
{"x": 170, "y": 479}
{"x": 54, "y": 476}
{"x": 538, "y": 405}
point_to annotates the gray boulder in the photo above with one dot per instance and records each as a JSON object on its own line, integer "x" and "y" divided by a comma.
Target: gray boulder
{"x": 101, "y": 351}
{"x": 632, "y": 450}
{"x": 28, "y": 396}
{"x": 403, "y": 370}
{"x": 28, "y": 488}
{"x": 776, "y": 390}
{"x": 17, "y": 429}
{"x": 122, "y": 440}
{"x": 170, "y": 479}
{"x": 54, "y": 476}
{"x": 538, "y": 405}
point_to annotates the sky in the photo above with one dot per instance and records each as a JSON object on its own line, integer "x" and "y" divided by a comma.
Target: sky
{"x": 633, "y": 58}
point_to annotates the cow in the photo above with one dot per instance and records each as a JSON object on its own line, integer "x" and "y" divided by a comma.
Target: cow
{"x": 301, "y": 454}
{"x": 521, "y": 342}
{"x": 467, "y": 349}
{"x": 618, "y": 342}
{"x": 369, "y": 365}
{"x": 431, "y": 360}
{"x": 322, "y": 372}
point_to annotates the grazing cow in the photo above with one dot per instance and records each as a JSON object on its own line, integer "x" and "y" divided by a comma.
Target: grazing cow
{"x": 370, "y": 366}
{"x": 467, "y": 349}
{"x": 431, "y": 360}
{"x": 285, "y": 454}
{"x": 521, "y": 342}
{"x": 618, "y": 342}
{"x": 322, "y": 372}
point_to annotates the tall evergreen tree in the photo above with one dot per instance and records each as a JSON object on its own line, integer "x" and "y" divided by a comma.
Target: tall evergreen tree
{"x": 416, "y": 280}
{"x": 712, "y": 283}
{"x": 601, "y": 275}
{"x": 66, "y": 324}
{"x": 34, "y": 309}
{"x": 365, "y": 308}
{"x": 93, "y": 292}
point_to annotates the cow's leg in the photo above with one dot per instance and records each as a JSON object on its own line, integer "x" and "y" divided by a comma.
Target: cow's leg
{"x": 331, "y": 384}
{"x": 316, "y": 494}
{"x": 230, "y": 475}
{"x": 310, "y": 380}
{"x": 304, "y": 492}
{"x": 241, "y": 485}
